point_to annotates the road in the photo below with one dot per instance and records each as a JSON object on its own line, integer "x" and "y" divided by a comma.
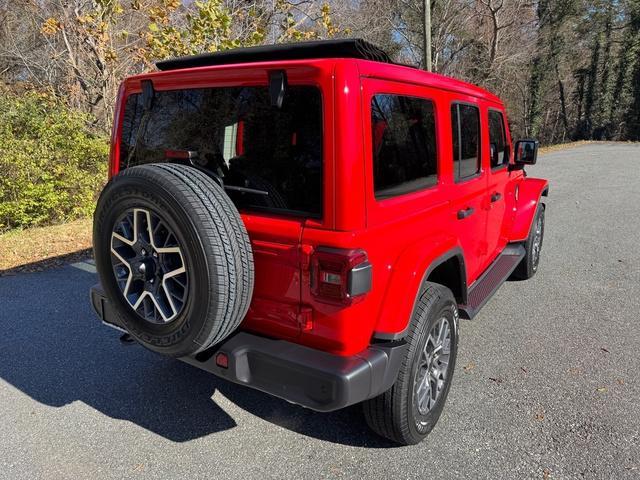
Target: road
{"x": 547, "y": 383}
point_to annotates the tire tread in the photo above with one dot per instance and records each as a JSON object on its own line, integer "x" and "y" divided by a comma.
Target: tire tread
{"x": 387, "y": 414}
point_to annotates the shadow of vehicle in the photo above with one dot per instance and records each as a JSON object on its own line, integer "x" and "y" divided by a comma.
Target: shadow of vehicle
{"x": 55, "y": 350}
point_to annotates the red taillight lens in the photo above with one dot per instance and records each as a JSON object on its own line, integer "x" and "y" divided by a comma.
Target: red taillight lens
{"x": 340, "y": 276}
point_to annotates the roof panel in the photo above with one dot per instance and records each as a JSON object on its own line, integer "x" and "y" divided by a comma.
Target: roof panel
{"x": 341, "y": 48}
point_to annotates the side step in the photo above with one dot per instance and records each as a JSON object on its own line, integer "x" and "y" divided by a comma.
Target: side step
{"x": 494, "y": 276}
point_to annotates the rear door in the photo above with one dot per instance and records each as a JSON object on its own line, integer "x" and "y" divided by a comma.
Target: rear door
{"x": 278, "y": 155}
{"x": 499, "y": 148}
{"x": 276, "y": 255}
{"x": 468, "y": 192}
{"x": 269, "y": 158}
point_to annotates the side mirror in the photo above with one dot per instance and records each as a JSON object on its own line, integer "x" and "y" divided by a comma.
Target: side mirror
{"x": 526, "y": 152}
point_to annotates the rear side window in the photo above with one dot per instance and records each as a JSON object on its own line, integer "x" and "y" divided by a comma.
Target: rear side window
{"x": 497, "y": 140}
{"x": 404, "y": 145}
{"x": 465, "y": 124}
{"x": 268, "y": 158}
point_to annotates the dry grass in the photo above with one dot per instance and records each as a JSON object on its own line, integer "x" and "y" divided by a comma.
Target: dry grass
{"x": 564, "y": 146}
{"x": 36, "y": 249}
{"x": 579, "y": 143}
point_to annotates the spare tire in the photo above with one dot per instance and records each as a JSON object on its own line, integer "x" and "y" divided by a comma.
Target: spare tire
{"x": 173, "y": 256}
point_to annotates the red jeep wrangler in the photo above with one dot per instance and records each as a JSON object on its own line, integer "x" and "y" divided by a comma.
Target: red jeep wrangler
{"x": 310, "y": 220}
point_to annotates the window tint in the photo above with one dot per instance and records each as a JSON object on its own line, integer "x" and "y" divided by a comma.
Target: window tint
{"x": 465, "y": 122}
{"x": 404, "y": 145}
{"x": 497, "y": 140}
{"x": 235, "y": 133}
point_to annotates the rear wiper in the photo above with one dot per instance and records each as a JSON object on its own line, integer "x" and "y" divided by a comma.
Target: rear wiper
{"x": 245, "y": 190}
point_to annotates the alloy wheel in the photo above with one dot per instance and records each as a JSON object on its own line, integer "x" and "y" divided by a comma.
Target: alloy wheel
{"x": 149, "y": 267}
{"x": 433, "y": 367}
{"x": 537, "y": 242}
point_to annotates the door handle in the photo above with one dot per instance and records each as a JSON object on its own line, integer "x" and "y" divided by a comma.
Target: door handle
{"x": 467, "y": 212}
{"x": 495, "y": 196}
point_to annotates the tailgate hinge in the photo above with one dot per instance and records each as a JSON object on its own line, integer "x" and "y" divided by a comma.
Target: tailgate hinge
{"x": 305, "y": 318}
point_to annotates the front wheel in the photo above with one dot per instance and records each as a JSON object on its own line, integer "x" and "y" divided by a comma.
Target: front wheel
{"x": 533, "y": 246}
{"x": 408, "y": 411}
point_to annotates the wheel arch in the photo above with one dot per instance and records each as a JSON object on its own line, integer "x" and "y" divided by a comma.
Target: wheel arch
{"x": 446, "y": 268}
{"x": 530, "y": 191}
{"x": 449, "y": 270}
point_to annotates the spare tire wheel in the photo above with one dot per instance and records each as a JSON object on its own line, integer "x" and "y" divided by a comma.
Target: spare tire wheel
{"x": 173, "y": 256}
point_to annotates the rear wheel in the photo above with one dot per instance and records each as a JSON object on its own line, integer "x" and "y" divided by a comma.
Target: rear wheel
{"x": 410, "y": 409}
{"x": 173, "y": 256}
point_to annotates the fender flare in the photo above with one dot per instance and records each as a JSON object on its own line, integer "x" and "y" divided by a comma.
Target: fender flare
{"x": 530, "y": 191}
{"x": 416, "y": 288}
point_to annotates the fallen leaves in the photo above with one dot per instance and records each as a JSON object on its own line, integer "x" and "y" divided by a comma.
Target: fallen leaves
{"x": 36, "y": 249}
{"x": 469, "y": 367}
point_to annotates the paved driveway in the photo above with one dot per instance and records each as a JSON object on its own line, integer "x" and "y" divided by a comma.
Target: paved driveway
{"x": 547, "y": 381}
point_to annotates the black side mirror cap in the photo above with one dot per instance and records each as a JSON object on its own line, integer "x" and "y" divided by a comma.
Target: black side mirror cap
{"x": 526, "y": 152}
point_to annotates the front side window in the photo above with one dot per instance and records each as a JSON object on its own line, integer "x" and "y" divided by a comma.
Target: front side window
{"x": 465, "y": 124}
{"x": 497, "y": 140}
{"x": 404, "y": 145}
{"x": 268, "y": 158}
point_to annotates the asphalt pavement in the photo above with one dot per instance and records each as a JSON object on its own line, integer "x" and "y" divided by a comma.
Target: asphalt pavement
{"x": 547, "y": 383}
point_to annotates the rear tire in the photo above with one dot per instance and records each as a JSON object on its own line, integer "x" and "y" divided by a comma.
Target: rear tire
{"x": 401, "y": 414}
{"x": 528, "y": 267}
{"x": 208, "y": 246}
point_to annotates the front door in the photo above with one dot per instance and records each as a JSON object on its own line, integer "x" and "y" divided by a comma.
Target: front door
{"x": 499, "y": 152}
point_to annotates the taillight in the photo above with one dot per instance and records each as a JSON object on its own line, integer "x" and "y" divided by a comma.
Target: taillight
{"x": 340, "y": 276}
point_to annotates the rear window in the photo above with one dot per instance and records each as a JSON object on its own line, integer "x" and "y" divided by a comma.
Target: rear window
{"x": 268, "y": 158}
{"x": 404, "y": 145}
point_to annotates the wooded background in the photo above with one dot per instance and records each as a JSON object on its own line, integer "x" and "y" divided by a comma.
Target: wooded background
{"x": 567, "y": 69}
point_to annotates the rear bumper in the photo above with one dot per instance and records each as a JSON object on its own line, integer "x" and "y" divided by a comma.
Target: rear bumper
{"x": 302, "y": 375}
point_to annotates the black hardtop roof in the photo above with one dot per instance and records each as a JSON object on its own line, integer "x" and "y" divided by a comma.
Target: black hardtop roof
{"x": 340, "y": 48}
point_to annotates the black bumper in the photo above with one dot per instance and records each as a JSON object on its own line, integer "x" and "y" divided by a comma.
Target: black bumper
{"x": 302, "y": 375}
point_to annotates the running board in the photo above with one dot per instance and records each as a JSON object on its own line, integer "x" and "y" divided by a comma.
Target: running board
{"x": 494, "y": 276}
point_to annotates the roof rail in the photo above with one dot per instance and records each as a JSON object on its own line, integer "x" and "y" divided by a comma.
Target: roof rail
{"x": 341, "y": 48}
